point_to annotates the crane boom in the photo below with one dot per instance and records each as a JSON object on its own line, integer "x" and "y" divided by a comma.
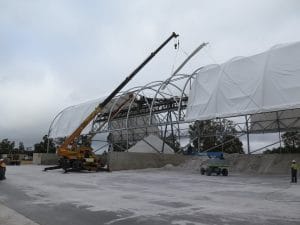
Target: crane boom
{"x": 101, "y": 106}
{"x": 110, "y": 97}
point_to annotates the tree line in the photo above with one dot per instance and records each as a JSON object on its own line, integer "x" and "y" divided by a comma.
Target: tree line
{"x": 215, "y": 135}
{"x": 221, "y": 135}
{"x": 42, "y": 146}
{"x": 208, "y": 135}
{"x": 291, "y": 143}
{"x": 9, "y": 147}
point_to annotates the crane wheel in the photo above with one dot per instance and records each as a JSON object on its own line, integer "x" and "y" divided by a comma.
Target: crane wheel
{"x": 202, "y": 171}
{"x": 64, "y": 163}
{"x": 208, "y": 171}
{"x": 225, "y": 172}
{"x": 77, "y": 165}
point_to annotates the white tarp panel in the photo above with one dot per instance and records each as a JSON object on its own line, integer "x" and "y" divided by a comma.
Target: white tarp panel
{"x": 266, "y": 82}
{"x": 70, "y": 118}
{"x": 275, "y": 121}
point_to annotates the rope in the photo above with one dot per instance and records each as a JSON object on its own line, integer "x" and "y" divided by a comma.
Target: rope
{"x": 176, "y": 46}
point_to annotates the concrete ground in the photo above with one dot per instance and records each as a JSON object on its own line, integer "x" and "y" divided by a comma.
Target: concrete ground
{"x": 152, "y": 196}
{"x": 11, "y": 217}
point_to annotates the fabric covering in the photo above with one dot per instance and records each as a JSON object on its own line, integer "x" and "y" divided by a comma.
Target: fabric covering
{"x": 265, "y": 82}
{"x": 67, "y": 121}
{"x": 70, "y": 118}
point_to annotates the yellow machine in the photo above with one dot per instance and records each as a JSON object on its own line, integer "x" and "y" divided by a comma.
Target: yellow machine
{"x": 77, "y": 157}
{"x": 13, "y": 159}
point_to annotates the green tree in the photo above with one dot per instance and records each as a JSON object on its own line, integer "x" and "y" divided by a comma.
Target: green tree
{"x": 291, "y": 140}
{"x": 232, "y": 144}
{"x": 21, "y": 147}
{"x": 208, "y": 134}
{"x": 201, "y": 134}
{"x": 6, "y": 146}
{"x": 42, "y": 146}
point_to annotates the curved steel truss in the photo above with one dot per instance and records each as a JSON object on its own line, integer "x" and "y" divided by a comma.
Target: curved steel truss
{"x": 159, "y": 108}
{"x": 155, "y": 108}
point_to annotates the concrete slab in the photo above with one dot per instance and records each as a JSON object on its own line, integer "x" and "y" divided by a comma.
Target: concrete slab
{"x": 135, "y": 160}
{"x": 11, "y": 217}
{"x": 171, "y": 196}
{"x": 45, "y": 159}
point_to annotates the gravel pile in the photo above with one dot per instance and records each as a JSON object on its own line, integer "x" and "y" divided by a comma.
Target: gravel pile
{"x": 251, "y": 164}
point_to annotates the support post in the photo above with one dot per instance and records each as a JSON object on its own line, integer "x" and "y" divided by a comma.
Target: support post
{"x": 165, "y": 132}
{"x": 279, "y": 133}
{"x": 248, "y": 138}
{"x": 172, "y": 128}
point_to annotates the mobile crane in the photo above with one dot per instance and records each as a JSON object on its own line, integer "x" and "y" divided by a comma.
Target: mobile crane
{"x": 75, "y": 156}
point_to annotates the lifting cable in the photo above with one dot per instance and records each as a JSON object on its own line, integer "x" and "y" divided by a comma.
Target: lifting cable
{"x": 176, "y": 47}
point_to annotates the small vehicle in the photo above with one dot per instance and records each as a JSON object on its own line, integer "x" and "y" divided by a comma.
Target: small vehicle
{"x": 13, "y": 159}
{"x": 215, "y": 165}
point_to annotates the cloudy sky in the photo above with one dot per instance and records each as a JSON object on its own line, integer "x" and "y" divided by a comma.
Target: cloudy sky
{"x": 57, "y": 53}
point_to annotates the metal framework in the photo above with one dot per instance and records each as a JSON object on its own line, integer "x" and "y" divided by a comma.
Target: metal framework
{"x": 159, "y": 108}
{"x": 155, "y": 108}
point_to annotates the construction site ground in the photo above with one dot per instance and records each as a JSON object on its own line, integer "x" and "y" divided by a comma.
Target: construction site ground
{"x": 169, "y": 195}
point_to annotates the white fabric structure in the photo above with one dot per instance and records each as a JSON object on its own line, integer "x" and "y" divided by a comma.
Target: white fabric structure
{"x": 70, "y": 118}
{"x": 265, "y": 82}
{"x": 151, "y": 144}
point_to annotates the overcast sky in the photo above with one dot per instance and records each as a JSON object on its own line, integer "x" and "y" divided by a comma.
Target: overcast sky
{"x": 57, "y": 53}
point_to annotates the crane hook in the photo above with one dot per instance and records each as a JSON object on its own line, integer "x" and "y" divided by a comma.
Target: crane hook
{"x": 176, "y": 45}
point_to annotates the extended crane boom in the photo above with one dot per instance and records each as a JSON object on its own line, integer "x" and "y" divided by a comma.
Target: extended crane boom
{"x": 82, "y": 157}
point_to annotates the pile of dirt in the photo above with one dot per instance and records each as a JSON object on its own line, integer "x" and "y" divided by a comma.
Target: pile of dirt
{"x": 251, "y": 164}
{"x": 151, "y": 144}
{"x": 194, "y": 164}
{"x": 262, "y": 164}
